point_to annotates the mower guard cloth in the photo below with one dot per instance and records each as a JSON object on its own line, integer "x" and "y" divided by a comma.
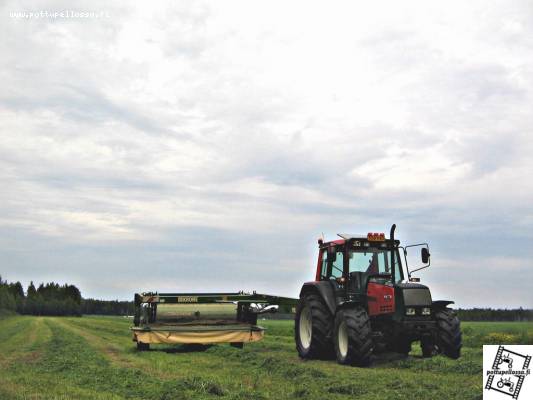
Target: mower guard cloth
{"x": 199, "y": 336}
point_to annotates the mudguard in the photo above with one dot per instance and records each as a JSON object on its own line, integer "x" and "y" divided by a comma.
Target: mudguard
{"x": 440, "y": 304}
{"x": 324, "y": 289}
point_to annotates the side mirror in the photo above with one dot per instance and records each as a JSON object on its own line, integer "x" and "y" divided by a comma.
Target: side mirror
{"x": 425, "y": 255}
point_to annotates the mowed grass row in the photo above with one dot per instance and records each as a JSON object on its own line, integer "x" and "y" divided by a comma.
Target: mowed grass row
{"x": 94, "y": 358}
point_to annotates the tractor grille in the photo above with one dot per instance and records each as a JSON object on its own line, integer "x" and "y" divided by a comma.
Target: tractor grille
{"x": 386, "y": 309}
{"x": 416, "y": 297}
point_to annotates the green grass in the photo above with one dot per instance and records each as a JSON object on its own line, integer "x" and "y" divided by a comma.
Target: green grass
{"x": 94, "y": 358}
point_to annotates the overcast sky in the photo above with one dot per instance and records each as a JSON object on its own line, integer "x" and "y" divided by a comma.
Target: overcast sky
{"x": 191, "y": 146}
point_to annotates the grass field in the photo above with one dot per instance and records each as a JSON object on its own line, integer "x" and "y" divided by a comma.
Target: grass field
{"x": 94, "y": 358}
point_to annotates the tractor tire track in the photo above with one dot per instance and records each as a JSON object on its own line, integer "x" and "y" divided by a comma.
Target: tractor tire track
{"x": 27, "y": 342}
{"x": 112, "y": 352}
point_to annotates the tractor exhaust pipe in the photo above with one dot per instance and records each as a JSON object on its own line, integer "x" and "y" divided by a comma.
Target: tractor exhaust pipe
{"x": 393, "y": 253}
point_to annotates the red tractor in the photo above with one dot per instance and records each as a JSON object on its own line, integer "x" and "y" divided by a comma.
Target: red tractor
{"x": 364, "y": 301}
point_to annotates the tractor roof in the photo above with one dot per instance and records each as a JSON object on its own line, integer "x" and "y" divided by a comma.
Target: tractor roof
{"x": 348, "y": 236}
{"x": 369, "y": 237}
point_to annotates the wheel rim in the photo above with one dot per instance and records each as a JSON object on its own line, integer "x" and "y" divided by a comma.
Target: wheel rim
{"x": 306, "y": 328}
{"x": 342, "y": 339}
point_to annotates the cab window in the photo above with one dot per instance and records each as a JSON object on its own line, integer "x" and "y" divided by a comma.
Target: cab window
{"x": 324, "y": 266}
{"x": 374, "y": 261}
{"x": 336, "y": 270}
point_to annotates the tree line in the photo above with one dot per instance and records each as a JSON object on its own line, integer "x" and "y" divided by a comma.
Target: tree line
{"x": 107, "y": 307}
{"x": 491, "y": 314}
{"x": 54, "y": 299}
{"x": 470, "y": 314}
{"x": 47, "y": 299}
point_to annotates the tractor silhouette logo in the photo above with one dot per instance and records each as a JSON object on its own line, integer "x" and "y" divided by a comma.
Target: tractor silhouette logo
{"x": 506, "y": 382}
{"x": 508, "y": 372}
{"x": 506, "y": 359}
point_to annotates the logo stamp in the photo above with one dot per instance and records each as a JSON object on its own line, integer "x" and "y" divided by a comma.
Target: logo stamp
{"x": 507, "y": 372}
{"x": 188, "y": 299}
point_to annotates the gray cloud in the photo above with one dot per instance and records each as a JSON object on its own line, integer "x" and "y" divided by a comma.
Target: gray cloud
{"x": 202, "y": 146}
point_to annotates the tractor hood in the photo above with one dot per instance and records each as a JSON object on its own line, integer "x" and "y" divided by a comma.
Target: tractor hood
{"x": 415, "y": 294}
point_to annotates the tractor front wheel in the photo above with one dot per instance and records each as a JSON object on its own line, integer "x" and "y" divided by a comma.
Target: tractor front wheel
{"x": 353, "y": 337}
{"x": 313, "y": 326}
{"x": 449, "y": 338}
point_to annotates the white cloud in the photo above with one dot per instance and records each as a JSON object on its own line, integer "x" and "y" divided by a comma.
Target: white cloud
{"x": 266, "y": 121}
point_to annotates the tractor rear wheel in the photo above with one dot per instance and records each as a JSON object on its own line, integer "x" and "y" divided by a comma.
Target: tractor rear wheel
{"x": 449, "y": 338}
{"x": 353, "y": 337}
{"x": 313, "y": 326}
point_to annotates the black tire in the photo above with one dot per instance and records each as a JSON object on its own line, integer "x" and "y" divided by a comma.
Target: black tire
{"x": 353, "y": 337}
{"x": 143, "y": 346}
{"x": 449, "y": 339}
{"x": 313, "y": 325}
{"x": 237, "y": 345}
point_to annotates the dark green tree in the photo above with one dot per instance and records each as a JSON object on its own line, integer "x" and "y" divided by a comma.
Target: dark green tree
{"x": 16, "y": 289}
{"x": 31, "y": 291}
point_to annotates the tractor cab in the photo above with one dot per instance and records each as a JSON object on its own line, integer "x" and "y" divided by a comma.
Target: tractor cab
{"x": 368, "y": 268}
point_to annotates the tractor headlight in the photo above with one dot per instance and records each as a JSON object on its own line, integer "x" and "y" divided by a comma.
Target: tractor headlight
{"x": 426, "y": 311}
{"x": 410, "y": 311}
